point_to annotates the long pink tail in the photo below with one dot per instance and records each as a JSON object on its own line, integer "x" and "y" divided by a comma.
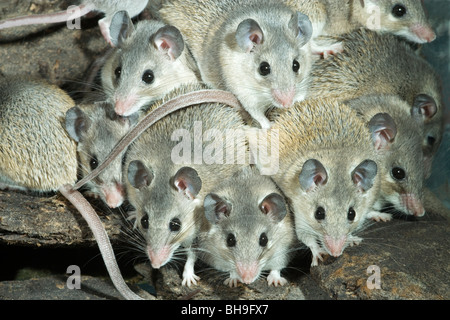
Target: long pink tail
{"x": 61, "y": 16}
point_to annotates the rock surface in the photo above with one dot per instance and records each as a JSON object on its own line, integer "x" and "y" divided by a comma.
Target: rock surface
{"x": 45, "y": 234}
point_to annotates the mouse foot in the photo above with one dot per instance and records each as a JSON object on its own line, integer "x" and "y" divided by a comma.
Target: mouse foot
{"x": 379, "y": 216}
{"x": 189, "y": 277}
{"x": 354, "y": 241}
{"x": 274, "y": 278}
{"x": 232, "y": 282}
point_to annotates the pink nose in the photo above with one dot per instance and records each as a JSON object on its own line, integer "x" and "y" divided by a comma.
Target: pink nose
{"x": 158, "y": 257}
{"x": 413, "y": 204}
{"x": 285, "y": 98}
{"x": 248, "y": 272}
{"x": 124, "y": 106}
{"x": 114, "y": 195}
{"x": 424, "y": 33}
{"x": 335, "y": 246}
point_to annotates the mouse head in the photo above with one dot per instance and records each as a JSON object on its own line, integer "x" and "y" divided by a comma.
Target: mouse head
{"x": 246, "y": 236}
{"x": 164, "y": 205}
{"x": 274, "y": 55}
{"x": 333, "y": 201}
{"x": 401, "y": 161}
{"x": 147, "y": 63}
{"x": 426, "y": 110}
{"x": 97, "y": 129}
{"x": 405, "y": 18}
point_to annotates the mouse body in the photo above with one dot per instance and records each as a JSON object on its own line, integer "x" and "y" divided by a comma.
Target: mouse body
{"x": 36, "y": 153}
{"x": 397, "y": 139}
{"x": 97, "y": 129}
{"x": 107, "y": 7}
{"x": 327, "y": 171}
{"x": 150, "y": 59}
{"x": 250, "y": 229}
{"x": 373, "y": 63}
{"x": 170, "y": 167}
{"x": 257, "y": 50}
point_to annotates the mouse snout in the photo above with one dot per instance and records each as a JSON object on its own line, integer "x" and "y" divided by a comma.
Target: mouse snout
{"x": 424, "y": 33}
{"x": 124, "y": 105}
{"x": 158, "y": 257}
{"x": 335, "y": 246}
{"x": 412, "y": 204}
{"x": 284, "y": 97}
{"x": 247, "y": 271}
{"x": 114, "y": 194}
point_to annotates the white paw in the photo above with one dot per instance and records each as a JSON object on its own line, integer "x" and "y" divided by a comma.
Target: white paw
{"x": 354, "y": 241}
{"x": 231, "y": 282}
{"x": 189, "y": 278}
{"x": 379, "y": 216}
{"x": 274, "y": 278}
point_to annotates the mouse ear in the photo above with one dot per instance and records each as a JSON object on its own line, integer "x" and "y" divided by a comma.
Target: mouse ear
{"x": 383, "y": 130}
{"x": 187, "y": 181}
{"x": 216, "y": 208}
{"x": 139, "y": 175}
{"x": 77, "y": 123}
{"x": 302, "y": 27}
{"x": 274, "y": 206}
{"x": 313, "y": 174}
{"x": 364, "y": 175}
{"x": 121, "y": 28}
{"x": 248, "y": 34}
{"x": 424, "y": 107}
{"x": 169, "y": 40}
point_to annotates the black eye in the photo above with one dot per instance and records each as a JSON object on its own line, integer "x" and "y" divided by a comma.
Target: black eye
{"x": 263, "y": 239}
{"x": 351, "y": 214}
{"x": 231, "y": 240}
{"x": 144, "y": 221}
{"x": 431, "y": 140}
{"x": 118, "y": 72}
{"x": 399, "y": 10}
{"x": 175, "y": 224}
{"x": 148, "y": 77}
{"x": 398, "y": 174}
{"x": 93, "y": 163}
{"x": 320, "y": 213}
{"x": 295, "y": 66}
{"x": 264, "y": 69}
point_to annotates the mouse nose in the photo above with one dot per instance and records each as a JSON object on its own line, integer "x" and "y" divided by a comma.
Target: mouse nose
{"x": 284, "y": 97}
{"x": 158, "y": 257}
{"x": 412, "y": 204}
{"x": 424, "y": 33}
{"x": 248, "y": 272}
{"x": 335, "y": 245}
{"x": 124, "y": 105}
{"x": 114, "y": 194}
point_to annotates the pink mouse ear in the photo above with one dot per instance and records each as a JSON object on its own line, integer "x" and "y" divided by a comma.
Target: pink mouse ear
{"x": 169, "y": 40}
{"x": 187, "y": 182}
{"x": 383, "y": 130}
{"x": 216, "y": 208}
{"x": 274, "y": 206}
{"x": 139, "y": 175}
{"x": 313, "y": 175}
{"x": 424, "y": 107}
{"x": 248, "y": 34}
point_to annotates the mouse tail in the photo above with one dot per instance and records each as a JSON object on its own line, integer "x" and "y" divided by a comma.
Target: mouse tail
{"x": 72, "y": 13}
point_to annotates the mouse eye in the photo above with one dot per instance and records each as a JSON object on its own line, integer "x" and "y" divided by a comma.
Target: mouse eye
{"x": 351, "y": 214}
{"x": 295, "y": 66}
{"x": 399, "y": 10}
{"x": 144, "y": 221}
{"x": 320, "y": 213}
{"x": 148, "y": 77}
{"x": 431, "y": 140}
{"x": 264, "y": 68}
{"x": 231, "y": 240}
{"x": 263, "y": 239}
{"x": 398, "y": 174}
{"x": 93, "y": 163}
{"x": 118, "y": 72}
{"x": 175, "y": 224}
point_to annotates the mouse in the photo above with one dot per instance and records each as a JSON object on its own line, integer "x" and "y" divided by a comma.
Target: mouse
{"x": 395, "y": 68}
{"x": 405, "y": 18}
{"x": 149, "y": 60}
{"x": 37, "y": 154}
{"x": 397, "y": 139}
{"x": 330, "y": 195}
{"x": 257, "y": 50}
{"x": 168, "y": 169}
{"x": 107, "y": 7}
{"x": 250, "y": 229}
{"x": 96, "y": 128}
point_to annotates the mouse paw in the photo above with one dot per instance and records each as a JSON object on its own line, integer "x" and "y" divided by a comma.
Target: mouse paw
{"x": 231, "y": 282}
{"x": 274, "y": 278}
{"x": 189, "y": 278}
{"x": 317, "y": 255}
{"x": 379, "y": 216}
{"x": 354, "y": 241}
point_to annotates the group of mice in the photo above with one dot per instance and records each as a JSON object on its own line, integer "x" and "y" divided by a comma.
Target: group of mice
{"x": 338, "y": 89}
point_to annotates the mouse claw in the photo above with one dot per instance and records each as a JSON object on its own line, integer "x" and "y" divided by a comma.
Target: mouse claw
{"x": 379, "y": 216}
{"x": 231, "y": 282}
{"x": 274, "y": 278}
{"x": 190, "y": 279}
